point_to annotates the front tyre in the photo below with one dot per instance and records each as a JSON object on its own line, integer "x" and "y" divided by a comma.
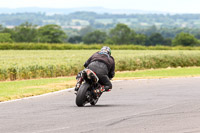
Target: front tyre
{"x": 81, "y": 98}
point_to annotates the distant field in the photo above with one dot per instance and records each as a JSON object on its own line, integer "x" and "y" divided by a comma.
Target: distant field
{"x": 29, "y": 64}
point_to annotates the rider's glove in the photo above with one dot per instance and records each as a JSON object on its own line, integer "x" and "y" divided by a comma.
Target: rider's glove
{"x": 78, "y": 76}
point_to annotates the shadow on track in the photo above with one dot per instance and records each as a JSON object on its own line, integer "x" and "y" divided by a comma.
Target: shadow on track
{"x": 106, "y": 105}
{"x": 93, "y": 106}
{"x": 101, "y": 105}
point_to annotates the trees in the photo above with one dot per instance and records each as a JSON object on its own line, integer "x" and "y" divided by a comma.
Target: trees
{"x": 168, "y": 42}
{"x": 151, "y": 30}
{"x": 5, "y": 37}
{"x": 25, "y": 32}
{"x": 95, "y": 37}
{"x": 1, "y": 28}
{"x": 121, "y": 34}
{"x": 184, "y": 39}
{"x": 86, "y": 30}
{"x": 155, "y": 38}
{"x": 51, "y": 34}
{"x": 197, "y": 35}
{"x": 28, "y": 32}
{"x": 140, "y": 39}
{"x": 75, "y": 39}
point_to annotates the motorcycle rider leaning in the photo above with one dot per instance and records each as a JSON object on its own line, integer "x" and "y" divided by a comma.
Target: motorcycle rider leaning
{"x": 103, "y": 64}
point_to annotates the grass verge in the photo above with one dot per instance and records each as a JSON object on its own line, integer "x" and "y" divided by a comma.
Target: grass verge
{"x": 160, "y": 73}
{"x": 10, "y": 90}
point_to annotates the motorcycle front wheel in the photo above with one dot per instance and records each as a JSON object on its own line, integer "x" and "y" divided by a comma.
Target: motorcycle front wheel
{"x": 81, "y": 98}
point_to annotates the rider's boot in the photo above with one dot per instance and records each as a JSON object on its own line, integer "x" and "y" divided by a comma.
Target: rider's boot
{"x": 102, "y": 89}
{"x": 99, "y": 90}
{"x": 107, "y": 88}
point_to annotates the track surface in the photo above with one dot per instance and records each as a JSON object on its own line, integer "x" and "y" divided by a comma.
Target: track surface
{"x": 135, "y": 106}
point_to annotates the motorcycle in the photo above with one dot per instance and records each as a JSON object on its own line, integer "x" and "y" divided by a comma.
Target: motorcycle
{"x": 87, "y": 92}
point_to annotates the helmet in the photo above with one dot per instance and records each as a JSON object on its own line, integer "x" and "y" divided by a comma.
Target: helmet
{"x": 106, "y": 50}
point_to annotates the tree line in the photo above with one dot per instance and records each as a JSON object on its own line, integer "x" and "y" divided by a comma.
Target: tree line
{"x": 120, "y": 34}
{"x": 28, "y": 32}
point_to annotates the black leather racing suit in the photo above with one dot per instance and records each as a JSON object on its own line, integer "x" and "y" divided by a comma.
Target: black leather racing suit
{"x": 104, "y": 66}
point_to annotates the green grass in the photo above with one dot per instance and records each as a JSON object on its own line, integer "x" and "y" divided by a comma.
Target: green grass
{"x": 18, "y": 89}
{"x": 159, "y": 73}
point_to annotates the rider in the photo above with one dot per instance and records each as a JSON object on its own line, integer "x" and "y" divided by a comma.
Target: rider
{"x": 103, "y": 64}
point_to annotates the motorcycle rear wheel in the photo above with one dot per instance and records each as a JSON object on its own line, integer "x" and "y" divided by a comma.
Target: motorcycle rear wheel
{"x": 81, "y": 98}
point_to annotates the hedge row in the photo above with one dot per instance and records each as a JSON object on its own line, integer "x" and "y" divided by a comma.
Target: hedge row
{"x": 36, "y": 71}
{"x": 46, "y": 46}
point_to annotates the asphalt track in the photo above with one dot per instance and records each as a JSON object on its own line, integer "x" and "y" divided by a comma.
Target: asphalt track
{"x": 133, "y": 106}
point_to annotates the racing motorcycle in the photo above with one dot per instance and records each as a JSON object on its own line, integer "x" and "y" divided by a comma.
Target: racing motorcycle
{"x": 88, "y": 91}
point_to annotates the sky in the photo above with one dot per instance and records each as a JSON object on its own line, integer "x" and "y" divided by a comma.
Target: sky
{"x": 173, "y": 6}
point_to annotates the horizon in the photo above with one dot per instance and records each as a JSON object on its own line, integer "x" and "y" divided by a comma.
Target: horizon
{"x": 89, "y": 9}
{"x": 169, "y": 6}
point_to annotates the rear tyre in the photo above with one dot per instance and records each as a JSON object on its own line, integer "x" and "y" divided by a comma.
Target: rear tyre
{"x": 81, "y": 98}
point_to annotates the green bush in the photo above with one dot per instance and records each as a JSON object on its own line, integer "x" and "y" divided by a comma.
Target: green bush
{"x": 185, "y": 39}
{"x": 5, "y": 37}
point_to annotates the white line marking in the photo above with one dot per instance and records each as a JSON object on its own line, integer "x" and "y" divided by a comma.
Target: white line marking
{"x": 117, "y": 80}
{"x": 50, "y": 130}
